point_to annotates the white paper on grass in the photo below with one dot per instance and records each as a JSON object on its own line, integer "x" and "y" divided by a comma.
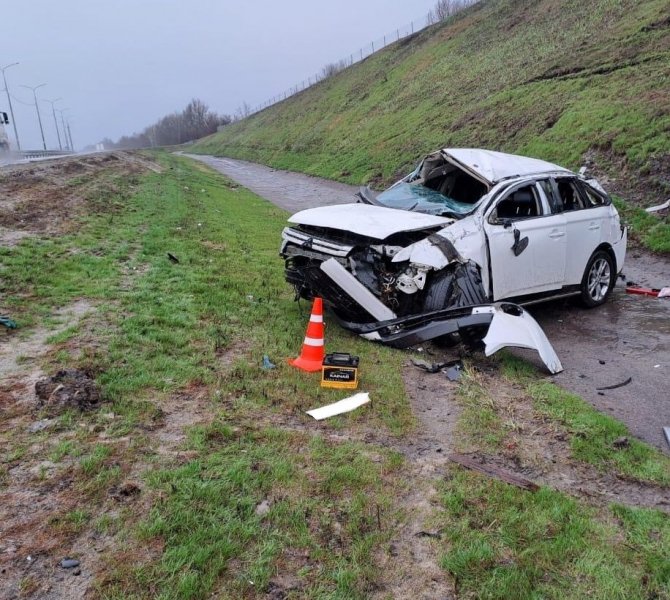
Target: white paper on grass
{"x": 343, "y": 406}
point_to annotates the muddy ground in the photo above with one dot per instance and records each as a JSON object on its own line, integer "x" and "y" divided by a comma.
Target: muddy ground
{"x": 42, "y": 199}
{"x": 36, "y": 493}
{"x": 628, "y": 337}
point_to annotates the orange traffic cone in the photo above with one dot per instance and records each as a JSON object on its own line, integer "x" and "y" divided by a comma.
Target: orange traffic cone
{"x": 312, "y": 354}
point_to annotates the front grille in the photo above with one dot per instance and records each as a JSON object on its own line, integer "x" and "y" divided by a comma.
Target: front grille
{"x": 306, "y": 244}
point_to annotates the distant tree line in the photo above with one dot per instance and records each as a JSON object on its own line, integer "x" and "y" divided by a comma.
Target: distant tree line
{"x": 192, "y": 123}
{"x": 444, "y": 9}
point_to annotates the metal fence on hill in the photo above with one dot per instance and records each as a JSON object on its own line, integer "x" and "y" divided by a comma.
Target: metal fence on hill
{"x": 360, "y": 54}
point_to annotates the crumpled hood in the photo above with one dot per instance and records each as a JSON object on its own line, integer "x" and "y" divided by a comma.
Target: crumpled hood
{"x": 364, "y": 219}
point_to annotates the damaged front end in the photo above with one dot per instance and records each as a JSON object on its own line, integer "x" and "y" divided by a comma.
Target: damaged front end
{"x": 407, "y": 273}
{"x": 393, "y": 279}
{"x": 372, "y": 250}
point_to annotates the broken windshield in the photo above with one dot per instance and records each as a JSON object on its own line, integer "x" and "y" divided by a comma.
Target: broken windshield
{"x": 416, "y": 197}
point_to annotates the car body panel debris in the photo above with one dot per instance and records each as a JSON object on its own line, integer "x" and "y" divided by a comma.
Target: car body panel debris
{"x": 469, "y": 462}
{"x": 666, "y": 431}
{"x": 69, "y": 563}
{"x": 467, "y": 228}
{"x": 643, "y": 291}
{"x": 343, "y": 406}
{"x": 659, "y": 207}
{"x": 615, "y": 386}
{"x": 454, "y": 371}
{"x": 518, "y": 329}
{"x": 7, "y": 322}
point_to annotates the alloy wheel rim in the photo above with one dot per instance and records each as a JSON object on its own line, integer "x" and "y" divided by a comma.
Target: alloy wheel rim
{"x": 599, "y": 279}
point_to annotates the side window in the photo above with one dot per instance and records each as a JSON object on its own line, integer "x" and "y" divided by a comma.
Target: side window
{"x": 593, "y": 197}
{"x": 522, "y": 203}
{"x": 569, "y": 194}
{"x": 550, "y": 192}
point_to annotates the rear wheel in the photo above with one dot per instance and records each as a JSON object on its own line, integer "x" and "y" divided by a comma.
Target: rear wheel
{"x": 599, "y": 278}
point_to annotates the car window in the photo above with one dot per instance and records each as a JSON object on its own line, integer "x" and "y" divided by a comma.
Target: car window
{"x": 569, "y": 194}
{"x": 552, "y": 195}
{"x": 522, "y": 203}
{"x": 593, "y": 197}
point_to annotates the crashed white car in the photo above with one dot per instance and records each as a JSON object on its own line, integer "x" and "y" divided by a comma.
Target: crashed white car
{"x": 466, "y": 229}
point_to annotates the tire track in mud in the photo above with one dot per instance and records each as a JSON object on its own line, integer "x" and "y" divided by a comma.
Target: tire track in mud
{"x": 627, "y": 337}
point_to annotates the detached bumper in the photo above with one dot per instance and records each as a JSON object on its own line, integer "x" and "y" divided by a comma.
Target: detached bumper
{"x": 496, "y": 326}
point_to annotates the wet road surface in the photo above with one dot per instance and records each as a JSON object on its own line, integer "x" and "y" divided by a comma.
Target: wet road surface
{"x": 627, "y": 337}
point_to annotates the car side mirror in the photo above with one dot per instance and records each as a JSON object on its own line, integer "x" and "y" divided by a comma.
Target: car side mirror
{"x": 520, "y": 244}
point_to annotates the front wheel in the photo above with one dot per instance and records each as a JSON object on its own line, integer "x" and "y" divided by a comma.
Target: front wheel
{"x": 599, "y": 278}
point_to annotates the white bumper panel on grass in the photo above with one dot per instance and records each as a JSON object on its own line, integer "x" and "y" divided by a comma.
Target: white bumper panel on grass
{"x": 520, "y": 331}
{"x": 343, "y": 406}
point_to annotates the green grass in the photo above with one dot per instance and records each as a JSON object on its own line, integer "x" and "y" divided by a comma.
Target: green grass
{"x": 591, "y": 433}
{"x": 323, "y": 498}
{"x": 509, "y": 543}
{"x": 162, "y": 332}
{"x": 653, "y": 232}
{"x": 562, "y": 80}
{"x": 164, "y": 337}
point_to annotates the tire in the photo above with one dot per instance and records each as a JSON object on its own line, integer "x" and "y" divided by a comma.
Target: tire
{"x": 460, "y": 285}
{"x": 598, "y": 280}
{"x": 456, "y": 286}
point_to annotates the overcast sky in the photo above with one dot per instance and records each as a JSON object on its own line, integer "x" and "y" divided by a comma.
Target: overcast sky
{"x": 119, "y": 65}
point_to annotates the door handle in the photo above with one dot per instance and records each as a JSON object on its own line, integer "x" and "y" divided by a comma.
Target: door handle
{"x": 556, "y": 234}
{"x": 594, "y": 227}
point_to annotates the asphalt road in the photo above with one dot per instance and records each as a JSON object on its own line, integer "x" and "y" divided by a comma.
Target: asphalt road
{"x": 629, "y": 337}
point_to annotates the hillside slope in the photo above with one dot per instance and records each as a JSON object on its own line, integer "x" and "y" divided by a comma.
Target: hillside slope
{"x": 564, "y": 80}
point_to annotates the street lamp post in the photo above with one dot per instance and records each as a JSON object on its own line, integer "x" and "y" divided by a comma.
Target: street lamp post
{"x": 69, "y": 132}
{"x": 62, "y": 122}
{"x": 53, "y": 110}
{"x": 9, "y": 100}
{"x": 37, "y": 108}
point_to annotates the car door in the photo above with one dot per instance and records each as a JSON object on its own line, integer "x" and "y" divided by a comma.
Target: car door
{"x": 585, "y": 212}
{"x": 527, "y": 242}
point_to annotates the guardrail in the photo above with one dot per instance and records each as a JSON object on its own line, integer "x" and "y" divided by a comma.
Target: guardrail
{"x": 42, "y": 153}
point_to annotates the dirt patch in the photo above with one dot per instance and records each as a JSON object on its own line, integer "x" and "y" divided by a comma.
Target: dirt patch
{"x": 539, "y": 449}
{"x": 410, "y": 563}
{"x": 45, "y": 198}
{"x": 67, "y": 389}
{"x": 186, "y": 408}
{"x": 17, "y": 350}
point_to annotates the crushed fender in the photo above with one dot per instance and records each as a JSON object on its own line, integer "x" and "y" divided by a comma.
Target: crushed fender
{"x": 343, "y": 406}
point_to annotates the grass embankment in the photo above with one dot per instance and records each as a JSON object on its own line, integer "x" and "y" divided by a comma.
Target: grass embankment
{"x": 504, "y": 542}
{"x": 562, "y": 80}
{"x": 201, "y": 475}
{"x": 167, "y": 336}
